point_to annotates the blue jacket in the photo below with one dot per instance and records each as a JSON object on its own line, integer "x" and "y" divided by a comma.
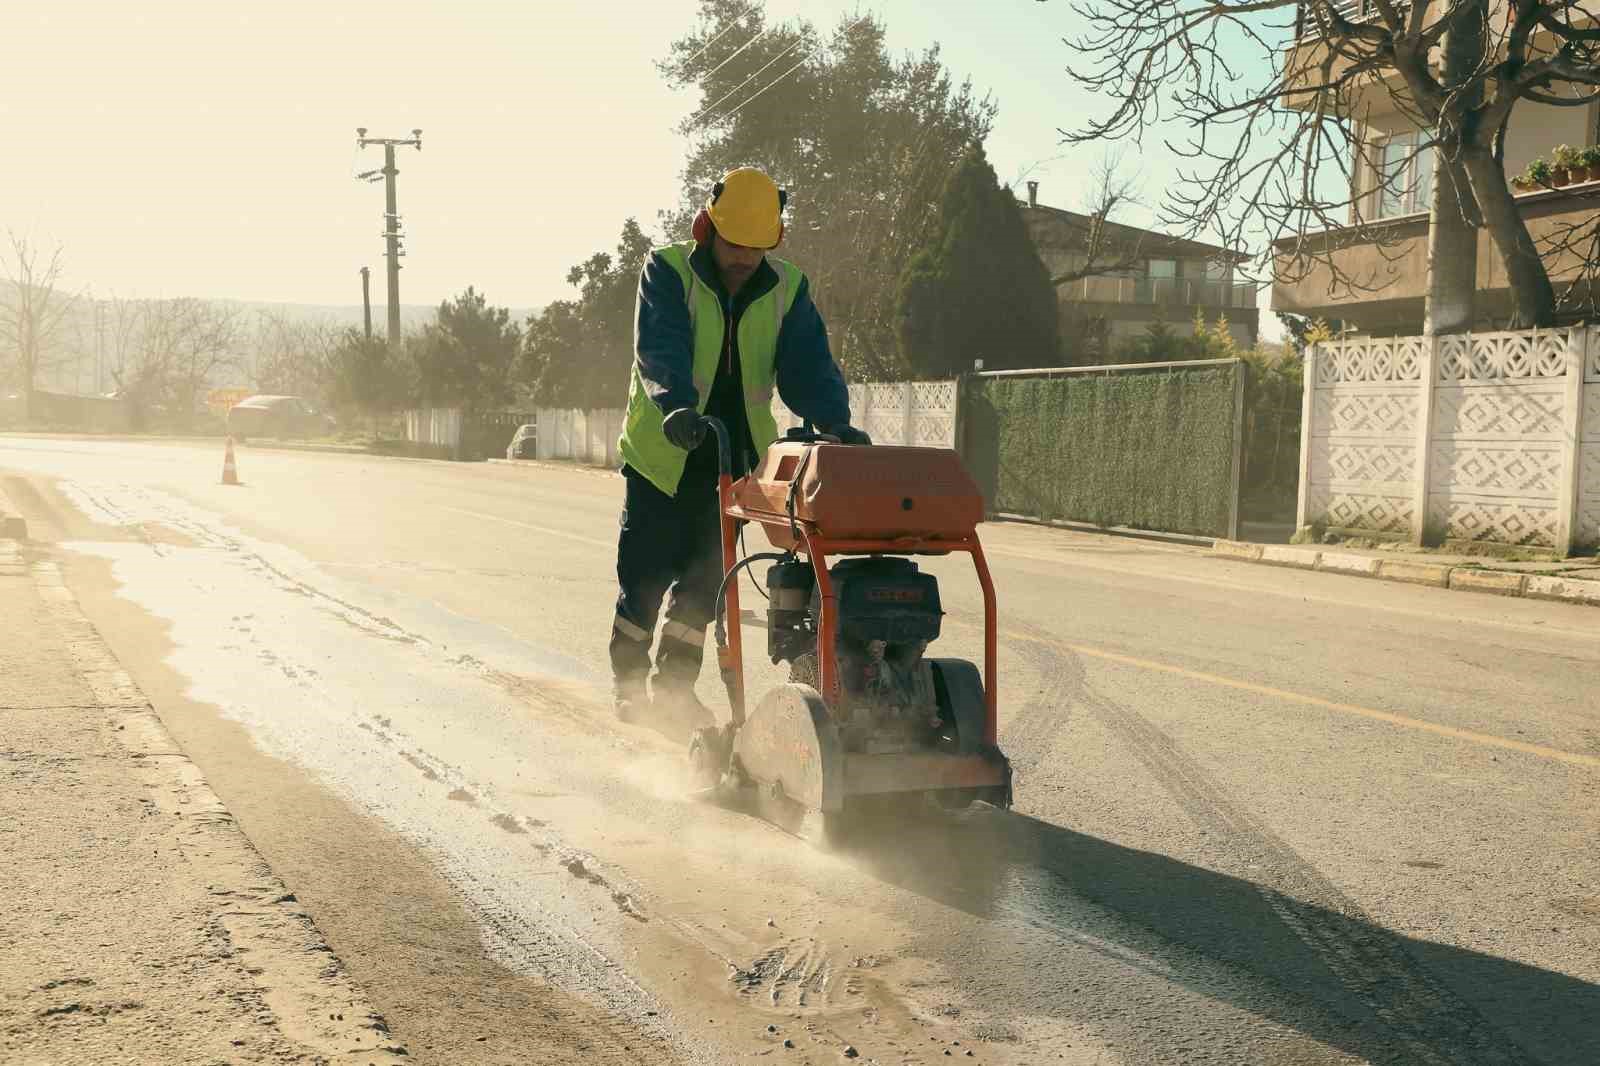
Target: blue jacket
{"x": 808, "y": 380}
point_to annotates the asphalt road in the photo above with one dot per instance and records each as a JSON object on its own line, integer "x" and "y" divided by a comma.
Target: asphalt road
{"x": 1263, "y": 815}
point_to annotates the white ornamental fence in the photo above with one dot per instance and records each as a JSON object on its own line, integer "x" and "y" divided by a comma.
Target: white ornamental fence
{"x": 580, "y": 436}
{"x": 918, "y": 413}
{"x": 1492, "y": 437}
{"x": 436, "y": 427}
{"x": 913, "y": 412}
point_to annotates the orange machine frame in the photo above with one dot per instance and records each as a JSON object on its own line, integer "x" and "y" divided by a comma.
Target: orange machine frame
{"x": 818, "y": 548}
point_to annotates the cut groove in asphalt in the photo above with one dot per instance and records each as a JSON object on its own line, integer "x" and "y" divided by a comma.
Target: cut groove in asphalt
{"x": 1471, "y": 736}
{"x": 1429, "y": 1022}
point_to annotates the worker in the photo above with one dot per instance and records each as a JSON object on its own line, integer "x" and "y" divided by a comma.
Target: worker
{"x": 719, "y": 324}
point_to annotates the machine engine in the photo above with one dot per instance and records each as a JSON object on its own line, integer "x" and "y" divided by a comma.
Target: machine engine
{"x": 889, "y": 613}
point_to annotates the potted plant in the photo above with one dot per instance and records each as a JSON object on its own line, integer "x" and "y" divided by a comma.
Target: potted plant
{"x": 1562, "y": 162}
{"x": 1537, "y": 176}
{"x": 1590, "y": 158}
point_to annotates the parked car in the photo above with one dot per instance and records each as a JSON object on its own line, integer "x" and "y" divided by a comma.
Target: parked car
{"x": 525, "y": 445}
{"x": 277, "y": 416}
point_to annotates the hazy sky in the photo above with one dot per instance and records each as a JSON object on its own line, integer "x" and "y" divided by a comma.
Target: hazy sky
{"x": 187, "y": 148}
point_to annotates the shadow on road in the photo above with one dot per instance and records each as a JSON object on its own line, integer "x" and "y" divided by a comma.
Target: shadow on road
{"x": 1339, "y": 979}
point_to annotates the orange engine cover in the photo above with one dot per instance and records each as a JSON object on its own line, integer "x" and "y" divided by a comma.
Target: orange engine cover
{"x": 862, "y": 493}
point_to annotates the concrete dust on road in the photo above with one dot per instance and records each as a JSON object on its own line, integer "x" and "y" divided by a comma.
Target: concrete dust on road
{"x": 418, "y": 736}
{"x": 140, "y": 924}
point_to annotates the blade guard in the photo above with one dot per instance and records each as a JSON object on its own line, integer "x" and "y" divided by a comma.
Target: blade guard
{"x": 790, "y": 741}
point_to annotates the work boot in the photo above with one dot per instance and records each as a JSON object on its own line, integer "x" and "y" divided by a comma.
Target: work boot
{"x": 629, "y": 699}
{"x": 676, "y": 708}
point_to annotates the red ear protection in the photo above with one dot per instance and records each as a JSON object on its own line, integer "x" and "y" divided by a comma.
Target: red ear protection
{"x": 701, "y": 230}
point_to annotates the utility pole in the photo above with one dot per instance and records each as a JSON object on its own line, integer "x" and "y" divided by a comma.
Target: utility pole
{"x": 99, "y": 349}
{"x": 391, "y": 215}
{"x": 366, "y": 301}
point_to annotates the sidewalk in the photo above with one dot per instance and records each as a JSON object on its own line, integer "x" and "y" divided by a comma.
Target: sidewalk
{"x": 1568, "y": 581}
{"x": 137, "y": 924}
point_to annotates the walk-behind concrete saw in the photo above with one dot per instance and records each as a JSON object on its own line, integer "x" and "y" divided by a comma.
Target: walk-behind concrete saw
{"x": 867, "y": 720}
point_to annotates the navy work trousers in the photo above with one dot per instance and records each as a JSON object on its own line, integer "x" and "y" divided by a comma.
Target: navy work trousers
{"x": 668, "y": 544}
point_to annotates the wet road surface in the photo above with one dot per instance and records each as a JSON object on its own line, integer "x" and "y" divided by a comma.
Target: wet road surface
{"x": 1262, "y": 815}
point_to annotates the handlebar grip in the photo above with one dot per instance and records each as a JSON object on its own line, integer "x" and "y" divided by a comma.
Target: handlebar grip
{"x": 724, "y": 444}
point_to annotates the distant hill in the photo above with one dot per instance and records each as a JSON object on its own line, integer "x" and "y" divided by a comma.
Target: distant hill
{"x": 73, "y": 368}
{"x": 350, "y": 314}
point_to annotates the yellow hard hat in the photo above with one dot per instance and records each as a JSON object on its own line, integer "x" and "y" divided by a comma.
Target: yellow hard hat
{"x": 747, "y": 208}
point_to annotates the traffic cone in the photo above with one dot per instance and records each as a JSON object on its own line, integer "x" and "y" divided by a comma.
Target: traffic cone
{"x": 230, "y": 476}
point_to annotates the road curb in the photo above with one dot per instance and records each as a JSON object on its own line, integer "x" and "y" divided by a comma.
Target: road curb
{"x": 1547, "y": 587}
{"x": 559, "y": 465}
{"x": 254, "y": 909}
{"x": 1498, "y": 582}
{"x": 1433, "y": 575}
{"x": 1233, "y": 549}
{"x": 1416, "y": 572}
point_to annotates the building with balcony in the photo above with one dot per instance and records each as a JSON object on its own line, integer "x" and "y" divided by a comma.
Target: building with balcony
{"x": 1142, "y": 277}
{"x": 1375, "y": 281}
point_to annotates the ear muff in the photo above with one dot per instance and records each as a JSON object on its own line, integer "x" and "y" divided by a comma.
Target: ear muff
{"x": 701, "y": 229}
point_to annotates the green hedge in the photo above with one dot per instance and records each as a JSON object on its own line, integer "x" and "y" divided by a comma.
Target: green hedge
{"x": 1144, "y": 449}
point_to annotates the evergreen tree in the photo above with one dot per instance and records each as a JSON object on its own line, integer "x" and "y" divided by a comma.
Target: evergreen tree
{"x": 363, "y": 376}
{"x": 464, "y": 359}
{"x": 861, "y": 137}
{"x": 577, "y": 353}
{"x": 978, "y": 290}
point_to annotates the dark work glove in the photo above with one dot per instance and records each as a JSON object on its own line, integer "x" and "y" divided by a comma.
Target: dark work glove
{"x": 848, "y": 435}
{"x": 684, "y": 428}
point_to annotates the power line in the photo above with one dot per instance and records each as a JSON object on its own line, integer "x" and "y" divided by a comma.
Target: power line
{"x": 733, "y": 24}
{"x": 712, "y": 107}
{"x": 737, "y": 52}
{"x": 803, "y": 61}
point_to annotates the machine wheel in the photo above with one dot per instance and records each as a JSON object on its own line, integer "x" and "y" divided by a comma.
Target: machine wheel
{"x": 959, "y": 688}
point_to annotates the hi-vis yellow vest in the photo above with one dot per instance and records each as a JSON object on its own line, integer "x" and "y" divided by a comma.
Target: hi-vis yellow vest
{"x": 643, "y": 445}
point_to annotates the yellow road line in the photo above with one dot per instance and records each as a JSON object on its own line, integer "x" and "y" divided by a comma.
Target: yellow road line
{"x": 1404, "y": 722}
{"x": 1262, "y": 580}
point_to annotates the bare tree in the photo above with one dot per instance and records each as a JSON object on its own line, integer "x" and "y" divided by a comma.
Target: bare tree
{"x": 291, "y": 355}
{"x": 123, "y": 320}
{"x": 1284, "y": 150}
{"x": 1107, "y": 245}
{"x": 33, "y": 312}
{"x": 182, "y": 345}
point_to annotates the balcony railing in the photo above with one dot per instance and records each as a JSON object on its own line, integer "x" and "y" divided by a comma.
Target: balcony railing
{"x": 1354, "y": 10}
{"x": 1168, "y": 292}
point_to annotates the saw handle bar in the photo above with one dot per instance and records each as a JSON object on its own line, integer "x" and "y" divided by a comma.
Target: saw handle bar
{"x": 724, "y": 444}
{"x": 731, "y": 573}
{"x": 803, "y": 434}
{"x": 730, "y": 651}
